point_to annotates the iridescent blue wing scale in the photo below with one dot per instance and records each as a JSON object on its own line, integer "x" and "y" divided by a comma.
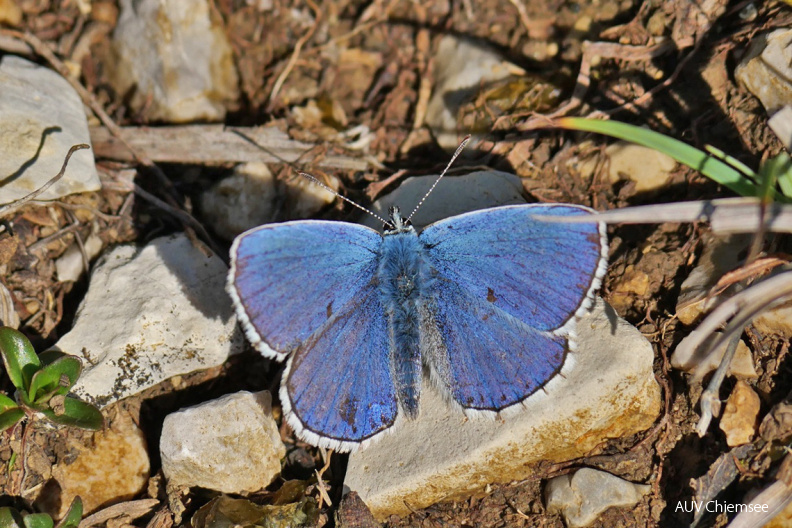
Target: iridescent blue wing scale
{"x": 338, "y": 390}
{"x": 287, "y": 279}
{"x": 483, "y": 357}
{"x": 308, "y": 289}
{"x": 500, "y": 312}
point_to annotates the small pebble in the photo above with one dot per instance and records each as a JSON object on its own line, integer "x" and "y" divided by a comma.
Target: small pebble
{"x": 738, "y": 422}
{"x": 582, "y": 496}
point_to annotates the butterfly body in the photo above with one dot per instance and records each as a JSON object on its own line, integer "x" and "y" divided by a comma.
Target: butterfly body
{"x": 402, "y": 276}
{"x": 485, "y": 302}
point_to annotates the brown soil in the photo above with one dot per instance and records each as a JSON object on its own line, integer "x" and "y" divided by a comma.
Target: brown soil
{"x": 701, "y": 105}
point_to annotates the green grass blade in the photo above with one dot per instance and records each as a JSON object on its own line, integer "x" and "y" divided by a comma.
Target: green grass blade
{"x": 779, "y": 169}
{"x": 694, "y": 158}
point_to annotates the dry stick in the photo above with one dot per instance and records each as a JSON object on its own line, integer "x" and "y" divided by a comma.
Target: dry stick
{"x": 709, "y": 400}
{"x": 44, "y": 51}
{"x": 16, "y": 204}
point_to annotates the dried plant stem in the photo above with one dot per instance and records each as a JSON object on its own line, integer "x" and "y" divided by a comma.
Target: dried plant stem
{"x": 710, "y": 399}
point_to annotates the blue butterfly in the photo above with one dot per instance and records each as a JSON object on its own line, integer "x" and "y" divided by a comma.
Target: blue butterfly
{"x": 485, "y": 301}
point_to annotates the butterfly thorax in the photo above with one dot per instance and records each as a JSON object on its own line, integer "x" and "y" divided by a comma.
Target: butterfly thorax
{"x": 401, "y": 276}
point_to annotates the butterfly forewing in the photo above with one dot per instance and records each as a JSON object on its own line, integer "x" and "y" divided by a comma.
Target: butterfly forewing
{"x": 540, "y": 272}
{"x": 287, "y": 279}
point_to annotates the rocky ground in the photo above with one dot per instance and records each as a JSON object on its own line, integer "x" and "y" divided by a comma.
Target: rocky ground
{"x": 198, "y": 121}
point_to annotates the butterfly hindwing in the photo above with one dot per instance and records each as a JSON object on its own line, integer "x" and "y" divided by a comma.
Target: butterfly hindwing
{"x": 338, "y": 389}
{"x": 288, "y": 279}
{"x": 485, "y": 358}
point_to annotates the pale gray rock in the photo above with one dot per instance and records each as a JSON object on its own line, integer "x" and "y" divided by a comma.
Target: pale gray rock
{"x": 766, "y": 69}
{"x": 230, "y": 445}
{"x": 608, "y": 390}
{"x": 777, "y": 321}
{"x": 781, "y": 125}
{"x": 41, "y": 118}
{"x": 176, "y": 58}
{"x": 252, "y": 196}
{"x": 690, "y": 359}
{"x": 70, "y": 265}
{"x": 151, "y": 313}
{"x": 585, "y": 494}
{"x": 461, "y": 68}
{"x": 453, "y": 195}
{"x": 649, "y": 168}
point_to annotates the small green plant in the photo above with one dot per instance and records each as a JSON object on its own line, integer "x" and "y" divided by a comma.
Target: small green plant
{"x": 714, "y": 164}
{"x": 11, "y": 518}
{"x": 42, "y": 383}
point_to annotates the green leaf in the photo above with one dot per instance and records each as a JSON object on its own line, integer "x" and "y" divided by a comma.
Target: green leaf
{"x": 48, "y": 356}
{"x": 20, "y": 360}
{"x": 694, "y": 158}
{"x": 9, "y": 418}
{"x": 9, "y": 518}
{"x": 6, "y": 403}
{"x": 47, "y": 381}
{"x": 76, "y": 413}
{"x": 38, "y": 520}
{"x": 73, "y": 516}
{"x": 779, "y": 169}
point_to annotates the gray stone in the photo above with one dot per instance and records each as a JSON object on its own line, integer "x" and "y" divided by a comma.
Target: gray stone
{"x": 583, "y": 495}
{"x": 41, "y": 118}
{"x": 781, "y": 125}
{"x": 252, "y": 196}
{"x": 453, "y": 195}
{"x": 231, "y": 444}
{"x": 151, "y": 313}
{"x": 176, "y": 57}
{"x": 766, "y": 69}
{"x": 607, "y": 390}
{"x": 689, "y": 359}
{"x": 70, "y": 265}
{"x": 461, "y": 68}
{"x": 649, "y": 168}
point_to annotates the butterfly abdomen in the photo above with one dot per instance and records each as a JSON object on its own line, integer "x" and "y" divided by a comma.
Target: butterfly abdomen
{"x": 399, "y": 276}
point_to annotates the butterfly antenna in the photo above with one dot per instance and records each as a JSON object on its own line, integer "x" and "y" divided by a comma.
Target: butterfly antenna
{"x": 459, "y": 150}
{"x": 347, "y": 200}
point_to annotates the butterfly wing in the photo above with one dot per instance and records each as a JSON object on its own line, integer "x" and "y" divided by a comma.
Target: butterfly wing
{"x": 503, "y": 302}
{"x": 307, "y": 288}
{"x": 287, "y": 279}
{"x": 338, "y": 389}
